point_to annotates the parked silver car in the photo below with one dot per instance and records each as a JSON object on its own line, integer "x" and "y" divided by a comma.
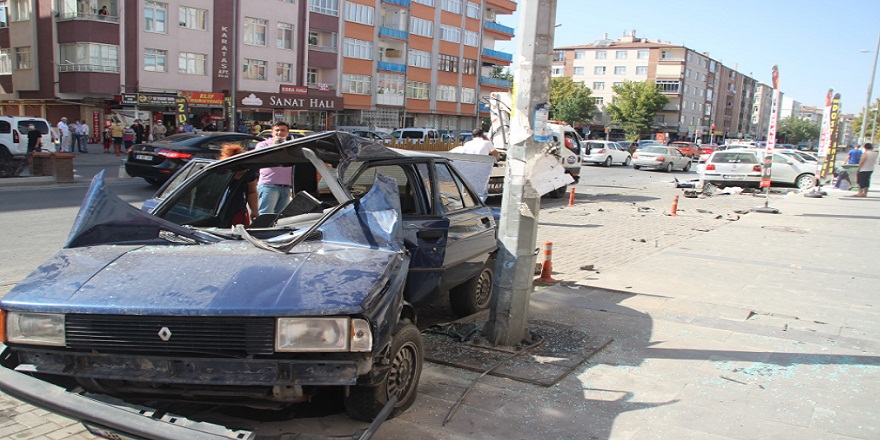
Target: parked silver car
{"x": 742, "y": 167}
{"x": 606, "y": 153}
{"x": 660, "y": 158}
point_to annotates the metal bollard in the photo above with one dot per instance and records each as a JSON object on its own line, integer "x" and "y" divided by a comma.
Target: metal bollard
{"x": 547, "y": 268}
{"x": 571, "y": 197}
{"x": 674, "y": 206}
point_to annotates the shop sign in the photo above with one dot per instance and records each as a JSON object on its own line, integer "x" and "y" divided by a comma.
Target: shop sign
{"x": 148, "y": 99}
{"x": 203, "y": 98}
{"x": 294, "y": 90}
{"x": 271, "y": 100}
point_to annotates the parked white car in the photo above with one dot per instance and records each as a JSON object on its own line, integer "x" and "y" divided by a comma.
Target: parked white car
{"x": 660, "y": 158}
{"x": 742, "y": 167}
{"x": 606, "y": 153}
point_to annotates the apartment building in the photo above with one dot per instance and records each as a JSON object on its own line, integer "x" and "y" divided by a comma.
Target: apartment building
{"x": 401, "y": 62}
{"x": 702, "y": 92}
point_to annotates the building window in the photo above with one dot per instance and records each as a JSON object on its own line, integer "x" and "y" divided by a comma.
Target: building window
{"x": 558, "y": 55}
{"x": 424, "y": 2}
{"x": 469, "y": 67}
{"x": 353, "y": 48}
{"x": 599, "y": 70}
{"x": 579, "y": 70}
{"x": 155, "y": 17}
{"x": 19, "y": 10}
{"x": 620, "y": 54}
{"x": 453, "y": 6}
{"x": 468, "y": 96}
{"x": 641, "y": 70}
{"x": 665, "y": 55}
{"x": 557, "y": 71}
{"x": 155, "y": 60}
{"x": 450, "y": 33}
{"x": 471, "y": 38}
{"x": 89, "y": 57}
{"x": 417, "y": 90}
{"x": 473, "y": 10}
{"x": 5, "y": 62}
{"x": 4, "y": 15}
{"x": 447, "y": 93}
{"x": 285, "y": 36}
{"x": 255, "y": 31}
{"x": 419, "y": 58}
{"x": 424, "y": 28}
{"x": 357, "y": 84}
{"x": 598, "y": 85}
{"x": 326, "y": 7}
{"x": 285, "y": 72}
{"x": 192, "y": 63}
{"x": 357, "y": 13}
{"x": 254, "y": 69}
{"x": 580, "y": 54}
{"x": 600, "y": 101}
{"x": 669, "y": 86}
{"x": 601, "y": 54}
{"x": 388, "y": 84}
{"x": 23, "y": 58}
{"x": 311, "y": 75}
{"x": 620, "y": 70}
{"x": 447, "y": 63}
{"x": 643, "y": 54}
{"x": 616, "y": 83}
{"x": 192, "y": 18}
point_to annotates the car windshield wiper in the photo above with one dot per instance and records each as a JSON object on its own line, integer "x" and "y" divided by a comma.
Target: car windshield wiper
{"x": 285, "y": 246}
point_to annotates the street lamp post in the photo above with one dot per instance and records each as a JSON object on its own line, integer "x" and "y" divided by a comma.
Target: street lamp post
{"x": 870, "y": 89}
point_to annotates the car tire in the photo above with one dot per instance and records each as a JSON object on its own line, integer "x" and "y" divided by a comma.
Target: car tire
{"x": 401, "y": 380}
{"x": 608, "y": 161}
{"x": 805, "y": 181}
{"x": 635, "y": 167}
{"x": 155, "y": 182}
{"x": 627, "y": 162}
{"x": 668, "y": 167}
{"x": 687, "y": 167}
{"x": 475, "y": 294}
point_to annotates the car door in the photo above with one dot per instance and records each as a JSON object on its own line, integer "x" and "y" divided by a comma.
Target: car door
{"x": 784, "y": 170}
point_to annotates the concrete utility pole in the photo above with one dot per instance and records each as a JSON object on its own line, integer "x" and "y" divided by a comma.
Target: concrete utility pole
{"x": 861, "y": 139}
{"x": 518, "y": 227}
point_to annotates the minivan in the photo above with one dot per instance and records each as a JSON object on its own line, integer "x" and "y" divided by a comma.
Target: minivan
{"x": 420, "y": 134}
{"x": 13, "y": 134}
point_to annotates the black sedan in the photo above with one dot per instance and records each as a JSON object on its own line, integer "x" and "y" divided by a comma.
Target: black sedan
{"x": 157, "y": 161}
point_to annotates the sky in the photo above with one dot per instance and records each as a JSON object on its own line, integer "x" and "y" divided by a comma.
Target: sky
{"x": 816, "y": 44}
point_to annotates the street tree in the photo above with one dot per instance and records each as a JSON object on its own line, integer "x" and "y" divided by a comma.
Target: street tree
{"x": 871, "y": 130}
{"x": 634, "y": 107}
{"x": 793, "y": 130}
{"x": 571, "y": 101}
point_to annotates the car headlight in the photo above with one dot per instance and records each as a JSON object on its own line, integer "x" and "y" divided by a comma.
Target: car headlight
{"x": 35, "y": 328}
{"x": 340, "y": 334}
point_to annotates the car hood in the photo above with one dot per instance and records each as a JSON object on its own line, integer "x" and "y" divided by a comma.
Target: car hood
{"x": 121, "y": 260}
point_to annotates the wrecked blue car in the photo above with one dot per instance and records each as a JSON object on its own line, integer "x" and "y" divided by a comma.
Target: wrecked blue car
{"x": 180, "y": 304}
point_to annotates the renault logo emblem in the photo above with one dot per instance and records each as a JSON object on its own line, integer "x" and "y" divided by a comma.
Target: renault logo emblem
{"x": 164, "y": 334}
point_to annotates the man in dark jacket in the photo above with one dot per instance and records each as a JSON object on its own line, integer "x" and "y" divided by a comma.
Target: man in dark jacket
{"x": 138, "y": 131}
{"x": 34, "y": 137}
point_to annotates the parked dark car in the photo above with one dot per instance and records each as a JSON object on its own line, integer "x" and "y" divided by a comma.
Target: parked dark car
{"x": 179, "y": 305}
{"x": 157, "y": 161}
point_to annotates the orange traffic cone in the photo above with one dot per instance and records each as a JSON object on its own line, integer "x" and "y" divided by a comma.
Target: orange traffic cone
{"x": 547, "y": 267}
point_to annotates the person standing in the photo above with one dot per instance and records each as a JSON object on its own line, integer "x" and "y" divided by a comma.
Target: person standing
{"x": 243, "y": 197}
{"x": 257, "y": 129}
{"x": 128, "y": 137}
{"x": 854, "y": 156}
{"x": 107, "y": 137}
{"x": 74, "y": 135}
{"x": 83, "y": 131}
{"x": 273, "y": 186}
{"x": 866, "y": 167}
{"x": 116, "y": 131}
{"x": 138, "y": 131}
{"x": 478, "y": 145}
{"x": 64, "y": 136}
{"x": 34, "y": 137}
{"x": 159, "y": 130}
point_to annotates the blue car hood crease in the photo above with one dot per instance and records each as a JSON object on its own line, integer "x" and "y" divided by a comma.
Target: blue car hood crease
{"x": 361, "y": 254}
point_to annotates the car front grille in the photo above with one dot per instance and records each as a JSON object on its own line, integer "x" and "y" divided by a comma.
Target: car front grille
{"x": 193, "y": 335}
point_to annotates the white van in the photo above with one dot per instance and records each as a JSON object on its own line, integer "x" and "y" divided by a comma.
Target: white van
{"x": 420, "y": 134}
{"x": 13, "y": 134}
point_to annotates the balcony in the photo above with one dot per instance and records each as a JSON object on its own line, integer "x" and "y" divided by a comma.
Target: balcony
{"x": 397, "y": 34}
{"x": 402, "y": 3}
{"x": 495, "y": 82}
{"x": 491, "y": 53}
{"x": 500, "y": 28}
{"x": 392, "y": 67}
{"x": 395, "y": 99}
{"x": 502, "y": 6}
{"x": 73, "y": 15}
{"x": 87, "y": 68}
{"x": 327, "y": 49}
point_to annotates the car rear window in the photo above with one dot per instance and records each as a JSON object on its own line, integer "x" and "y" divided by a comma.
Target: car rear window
{"x": 42, "y": 126}
{"x": 659, "y": 150}
{"x": 735, "y": 158}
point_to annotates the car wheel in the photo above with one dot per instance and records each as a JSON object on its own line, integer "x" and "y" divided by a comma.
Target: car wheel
{"x": 805, "y": 181}
{"x": 155, "y": 182}
{"x": 668, "y": 168}
{"x": 635, "y": 167}
{"x": 627, "y": 161}
{"x": 608, "y": 161}
{"x": 475, "y": 294}
{"x": 687, "y": 166}
{"x": 401, "y": 380}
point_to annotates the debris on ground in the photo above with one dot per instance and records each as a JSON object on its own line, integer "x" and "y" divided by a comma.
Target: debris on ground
{"x": 704, "y": 211}
{"x": 645, "y": 209}
{"x": 588, "y": 267}
{"x": 719, "y": 217}
{"x": 640, "y": 240}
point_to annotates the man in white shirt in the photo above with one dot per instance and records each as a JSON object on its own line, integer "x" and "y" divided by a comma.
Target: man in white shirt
{"x": 64, "y": 138}
{"x": 478, "y": 145}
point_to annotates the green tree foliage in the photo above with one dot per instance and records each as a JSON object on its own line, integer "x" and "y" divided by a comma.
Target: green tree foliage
{"x": 634, "y": 108}
{"x": 856, "y": 124}
{"x": 793, "y": 130}
{"x": 570, "y": 101}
